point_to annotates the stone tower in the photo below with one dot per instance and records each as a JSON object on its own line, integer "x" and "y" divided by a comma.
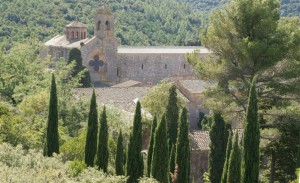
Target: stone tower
{"x": 76, "y": 31}
{"x": 102, "y": 49}
{"x": 104, "y": 23}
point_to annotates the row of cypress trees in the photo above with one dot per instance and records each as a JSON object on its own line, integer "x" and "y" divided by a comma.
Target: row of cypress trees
{"x": 160, "y": 159}
{"x": 236, "y": 162}
{"x": 91, "y": 146}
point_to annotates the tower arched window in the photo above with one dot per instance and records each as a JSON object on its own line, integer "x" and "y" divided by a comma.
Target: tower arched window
{"x": 98, "y": 25}
{"x": 77, "y": 35}
{"x": 72, "y": 35}
{"x": 107, "y": 23}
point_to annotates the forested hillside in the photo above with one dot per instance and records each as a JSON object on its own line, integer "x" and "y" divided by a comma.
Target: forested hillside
{"x": 288, "y": 7}
{"x": 138, "y": 22}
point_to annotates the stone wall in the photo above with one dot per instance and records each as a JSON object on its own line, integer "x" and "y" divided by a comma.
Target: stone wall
{"x": 199, "y": 165}
{"x": 153, "y": 67}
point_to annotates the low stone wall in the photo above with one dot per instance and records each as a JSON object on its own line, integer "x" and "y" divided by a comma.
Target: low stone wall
{"x": 199, "y": 165}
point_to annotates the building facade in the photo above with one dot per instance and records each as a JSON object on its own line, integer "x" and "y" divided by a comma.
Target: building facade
{"x": 109, "y": 62}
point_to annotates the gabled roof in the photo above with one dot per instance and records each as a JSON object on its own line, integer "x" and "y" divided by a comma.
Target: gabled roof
{"x": 163, "y": 49}
{"x": 76, "y": 23}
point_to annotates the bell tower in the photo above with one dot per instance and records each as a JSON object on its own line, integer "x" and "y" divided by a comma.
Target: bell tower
{"x": 104, "y": 23}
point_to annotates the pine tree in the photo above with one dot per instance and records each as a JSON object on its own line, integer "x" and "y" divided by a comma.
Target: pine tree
{"x": 120, "y": 156}
{"x": 135, "y": 164}
{"x": 103, "y": 153}
{"x": 172, "y": 115}
{"x": 250, "y": 163}
{"x": 234, "y": 162}
{"x": 52, "y": 137}
{"x": 150, "y": 147}
{"x": 218, "y": 142}
{"x": 160, "y": 157}
{"x": 92, "y": 132}
{"x": 172, "y": 159}
{"x": 228, "y": 151}
{"x": 183, "y": 149}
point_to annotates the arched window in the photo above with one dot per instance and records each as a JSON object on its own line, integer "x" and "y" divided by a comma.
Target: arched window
{"x": 184, "y": 66}
{"x": 98, "y": 25}
{"x": 165, "y": 66}
{"x": 84, "y": 35}
{"x": 81, "y": 35}
{"x": 107, "y": 25}
{"x": 77, "y": 35}
{"x": 72, "y": 34}
{"x": 142, "y": 66}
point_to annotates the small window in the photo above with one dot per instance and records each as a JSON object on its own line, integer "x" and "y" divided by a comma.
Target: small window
{"x": 107, "y": 25}
{"x": 98, "y": 25}
{"x": 184, "y": 66}
{"x": 84, "y": 35}
{"x": 166, "y": 66}
{"x": 142, "y": 66}
{"x": 81, "y": 33}
{"x": 77, "y": 35}
{"x": 72, "y": 35}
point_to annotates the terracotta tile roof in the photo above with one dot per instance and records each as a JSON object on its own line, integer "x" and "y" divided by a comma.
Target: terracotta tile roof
{"x": 122, "y": 98}
{"x": 76, "y": 23}
{"x": 129, "y": 83}
{"x": 199, "y": 139}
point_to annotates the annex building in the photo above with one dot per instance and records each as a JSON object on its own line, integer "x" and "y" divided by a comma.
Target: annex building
{"x": 109, "y": 62}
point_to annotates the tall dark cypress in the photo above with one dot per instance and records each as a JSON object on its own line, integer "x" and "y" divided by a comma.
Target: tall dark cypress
{"x": 234, "y": 163}
{"x": 160, "y": 157}
{"x": 172, "y": 159}
{"x": 298, "y": 160}
{"x": 218, "y": 141}
{"x": 228, "y": 151}
{"x": 52, "y": 137}
{"x": 120, "y": 156}
{"x": 172, "y": 115}
{"x": 92, "y": 132}
{"x": 103, "y": 153}
{"x": 250, "y": 163}
{"x": 135, "y": 164}
{"x": 183, "y": 149}
{"x": 150, "y": 147}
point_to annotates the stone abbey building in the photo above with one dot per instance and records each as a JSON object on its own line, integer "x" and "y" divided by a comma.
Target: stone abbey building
{"x": 109, "y": 62}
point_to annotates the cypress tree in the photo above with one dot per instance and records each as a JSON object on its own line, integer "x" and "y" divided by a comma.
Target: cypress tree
{"x": 92, "y": 132}
{"x": 172, "y": 115}
{"x": 150, "y": 147}
{"x": 218, "y": 142}
{"x": 228, "y": 151}
{"x": 183, "y": 149}
{"x": 103, "y": 153}
{"x": 250, "y": 163}
{"x": 234, "y": 163}
{"x": 172, "y": 159}
{"x": 120, "y": 156}
{"x": 298, "y": 160}
{"x": 75, "y": 54}
{"x": 160, "y": 157}
{"x": 52, "y": 137}
{"x": 135, "y": 164}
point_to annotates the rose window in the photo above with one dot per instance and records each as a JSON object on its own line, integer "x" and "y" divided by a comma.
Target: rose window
{"x": 96, "y": 63}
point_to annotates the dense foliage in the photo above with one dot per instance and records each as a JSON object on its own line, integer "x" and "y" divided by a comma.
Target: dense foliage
{"x": 288, "y": 7}
{"x": 234, "y": 162}
{"x": 137, "y": 22}
{"x": 228, "y": 151}
{"x": 172, "y": 116}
